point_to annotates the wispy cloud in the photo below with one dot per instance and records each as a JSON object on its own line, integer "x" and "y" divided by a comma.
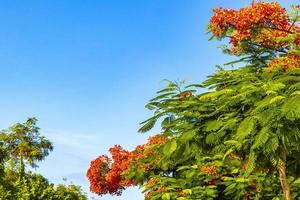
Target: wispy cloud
{"x": 69, "y": 138}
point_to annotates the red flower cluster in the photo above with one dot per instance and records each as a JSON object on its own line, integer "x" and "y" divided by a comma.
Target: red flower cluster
{"x": 106, "y": 175}
{"x": 262, "y": 24}
{"x": 116, "y": 183}
{"x": 142, "y": 152}
{"x": 210, "y": 170}
{"x": 151, "y": 182}
{"x": 96, "y": 174}
{"x": 285, "y": 62}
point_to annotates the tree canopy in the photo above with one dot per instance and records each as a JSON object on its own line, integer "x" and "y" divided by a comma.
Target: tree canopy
{"x": 237, "y": 140}
{"x": 22, "y": 146}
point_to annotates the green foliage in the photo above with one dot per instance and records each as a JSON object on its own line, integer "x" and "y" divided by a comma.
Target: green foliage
{"x": 36, "y": 187}
{"x": 69, "y": 192}
{"x": 245, "y": 118}
{"x": 23, "y": 142}
{"x": 33, "y": 186}
{"x": 236, "y": 135}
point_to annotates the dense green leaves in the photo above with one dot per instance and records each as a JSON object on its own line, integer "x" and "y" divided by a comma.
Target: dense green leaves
{"x": 236, "y": 135}
{"x": 246, "y": 127}
{"x": 291, "y": 108}
{"x": 244, "y": 119}
{"x": 23, "y": 142}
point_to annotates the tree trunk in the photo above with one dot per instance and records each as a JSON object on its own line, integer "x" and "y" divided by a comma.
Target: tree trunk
{"x": 282, "y": 175}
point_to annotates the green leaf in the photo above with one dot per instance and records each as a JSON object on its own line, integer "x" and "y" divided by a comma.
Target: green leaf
{"x": 187, "y": 136}
{"x": 150, "y": 106}
{"x": 276, "y": 99}
{"x": 163, "y": 96}
{"x": 147, "y": 126}
{"x": 230, "y": 189}
{"x": 191, "y": 174}
{"x": 271, "y": 145}
{"x": 261, "y": 138}
{"x": 166, "y": 196}
{"x": 267, "y": 102}
{"x": 291, "y": 108}
{"x": 168, "y": 89}
{"x": 237, "y": 61}
{"x": 214, "y": 137}
{"x": 187, "y": 191}
{"x": 275, "y": 86}
{"x": 246, "y": 127}
{"x": 213, "y": 125}
{"x": 212, "y": 95}
{"x": 170, "y": 147}
{"x": 297, "y": 182}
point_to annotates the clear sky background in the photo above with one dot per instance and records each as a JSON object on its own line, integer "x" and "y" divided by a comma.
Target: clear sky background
{"x": 86, "y": 69}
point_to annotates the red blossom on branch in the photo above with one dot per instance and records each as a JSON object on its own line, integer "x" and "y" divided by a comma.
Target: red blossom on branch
{"x": 96, "y": 174}
{"x": 106, "y": 175}
{"x": 285, "y": 62}
{"x": 261, "y": 24}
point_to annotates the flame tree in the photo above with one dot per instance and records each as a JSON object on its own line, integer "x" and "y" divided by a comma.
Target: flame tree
{"x": 239, "y": 140}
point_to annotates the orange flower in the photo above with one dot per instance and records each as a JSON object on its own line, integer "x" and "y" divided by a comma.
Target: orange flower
{"x": 107, "y": 175}
{"x": 285, "y": 62}
{"x": 151, "y": 182}
{"x": 210, "y": 170}
{"x": 96, "y": 174}
{"x": 261, "y": 24}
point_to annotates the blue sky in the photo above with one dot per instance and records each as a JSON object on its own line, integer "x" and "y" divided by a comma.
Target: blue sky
{"x": 86, "y": 69}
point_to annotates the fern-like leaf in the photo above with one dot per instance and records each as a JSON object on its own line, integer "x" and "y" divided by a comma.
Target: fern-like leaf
{"x": 291, "y": 108}
{"x": 246, "y": 127}
{"x": 261, "y": 138}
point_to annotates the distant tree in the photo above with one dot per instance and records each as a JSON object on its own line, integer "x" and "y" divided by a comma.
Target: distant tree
{"x": 69, "y": 192}
{"x": 24, "y": 143}
{"x": 33, "y": 187}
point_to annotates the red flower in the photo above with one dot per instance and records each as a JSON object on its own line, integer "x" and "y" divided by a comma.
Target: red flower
{"x": 96, "y": 174}
{"x": 261, "y": 24}
{"x": 285, "y": 62}
{"x": 106, "y": 175}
